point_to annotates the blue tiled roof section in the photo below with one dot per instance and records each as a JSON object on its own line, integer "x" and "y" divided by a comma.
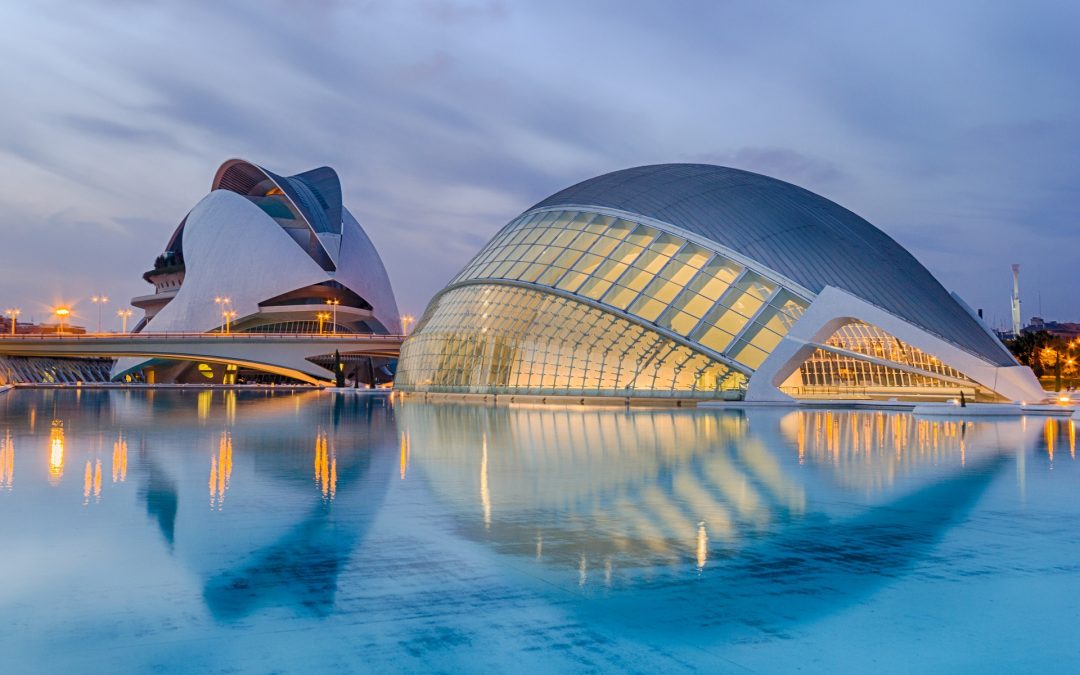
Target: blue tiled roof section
{"x": 811, "y": 240}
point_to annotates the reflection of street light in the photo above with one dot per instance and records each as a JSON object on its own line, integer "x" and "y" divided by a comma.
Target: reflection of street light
{"x": 334, "y": 303}
{"x": 405, "y": 321}
{"x": 322, "y": 317}
{"x": 14, "y": 313}
{"x": 61, "y": 314}
{"x": 124, "y": 314}
{"x": 99, "y": 300}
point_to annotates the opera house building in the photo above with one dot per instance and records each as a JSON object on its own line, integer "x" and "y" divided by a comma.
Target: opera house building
{"x": 264, "y": 253}
{"x": 695, "y": 282}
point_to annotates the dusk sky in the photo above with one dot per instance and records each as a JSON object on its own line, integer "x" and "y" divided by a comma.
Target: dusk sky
{"x": 954, "y": 129}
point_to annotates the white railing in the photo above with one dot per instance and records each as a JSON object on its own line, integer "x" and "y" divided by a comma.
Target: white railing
{"x": 246, "y": 337}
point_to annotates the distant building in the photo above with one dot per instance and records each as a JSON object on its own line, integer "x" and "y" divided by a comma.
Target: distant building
{"x": 1065, "y": 331}
{"x": 690, "y": 281}
{"x": 26, "y": 328}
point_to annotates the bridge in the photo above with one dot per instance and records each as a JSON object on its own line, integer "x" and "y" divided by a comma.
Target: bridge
{"x": 285, "y": 354}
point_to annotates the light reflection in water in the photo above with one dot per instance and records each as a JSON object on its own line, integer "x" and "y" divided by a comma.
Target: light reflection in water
{"x": 405, "y": 451}
{"x": 325, "y": 466}
{"x": 205, "y": 398}
{"x": 92, "y": 481}
{"x": 7, "y": 461}
{"x": 56, "y": 452}
{"x": 869, "y": 449}
{"x": 221, "y": 466}
{"x": 119, "y": 459}
{"x": 485, "y": 495}
{"x": 702, "y": 546}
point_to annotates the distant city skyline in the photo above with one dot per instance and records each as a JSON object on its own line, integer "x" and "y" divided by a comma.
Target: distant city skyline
{"x": 951, "y": 128}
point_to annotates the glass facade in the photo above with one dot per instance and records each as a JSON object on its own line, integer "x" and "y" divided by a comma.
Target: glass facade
{"x": 655, "y": 276}
{"x": 488, "y": 338}
{"x": 838, "y": 368}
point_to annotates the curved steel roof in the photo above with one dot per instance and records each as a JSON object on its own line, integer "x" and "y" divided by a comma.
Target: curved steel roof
{"x": 811, "y": 240}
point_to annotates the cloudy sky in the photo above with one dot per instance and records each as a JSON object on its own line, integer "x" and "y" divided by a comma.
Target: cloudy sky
{"x": 954, "y": 127}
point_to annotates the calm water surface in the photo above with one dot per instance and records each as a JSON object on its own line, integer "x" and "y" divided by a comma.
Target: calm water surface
{"x": 225, "y": 532}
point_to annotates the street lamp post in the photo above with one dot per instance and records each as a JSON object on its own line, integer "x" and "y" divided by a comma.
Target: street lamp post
{"x": 228, "y": 315}
{"x": 322, "y": 317}
{"x": 14, "y": 313}
{"x": 334, "y": 303}
{"x": 124, "y": 314}
{"x": 100, "y": 301}
{"x": 226, "y": 306}
{"x": 61, "y": 314}
{"x": 405, "y": 321}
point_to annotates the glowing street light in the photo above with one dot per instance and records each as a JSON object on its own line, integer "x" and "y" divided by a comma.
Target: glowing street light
{"x": 61, "y": 314}
{"x": 228, "y": 316}
{"x": 99, "y": 300}
{"x": 322, "y": 317}
{"x": 334, "y": 303}
{"x": 14, "y": 313}
{"x": 124, "y": 315}
{"x": 406, "y": 319}
{"x": 226, "y": 309}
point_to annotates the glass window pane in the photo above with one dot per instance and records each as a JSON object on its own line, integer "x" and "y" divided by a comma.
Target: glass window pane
{"x": 571, "y": 281}
{"x": 604, "y": 245}
{"x": 716, "y": 339}
{"x": 651, "y": 261}
{"x": 693, "y": 255}
{"x": 667, "y": 244}
{"x": 626, "y": 252}
{"x": 595, "y": 288}
{"x": 647, "y": 308}
{"x": 588, "y": 263}
{"x": 567, "y": 259}
{"x": 642, "y": 235}
{"x": 750, "y": 356}
{"x": 663, "y": 290}
{"x": 620, "y": 296}
{"x": 636, "y": 279}
{"x": 620, "y": 229}
{"x": 549, "y": 277}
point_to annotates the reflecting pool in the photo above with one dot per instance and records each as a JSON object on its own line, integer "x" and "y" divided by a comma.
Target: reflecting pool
{"x": 214, "y": 531}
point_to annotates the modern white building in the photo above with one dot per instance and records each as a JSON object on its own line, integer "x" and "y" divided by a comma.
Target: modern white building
{"x": 691, "y": 281}
{"x": 264, "y": 253}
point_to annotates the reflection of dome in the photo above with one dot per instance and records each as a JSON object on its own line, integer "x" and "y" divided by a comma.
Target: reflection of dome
{"x": 697, "y": 281}
{"x": 601, "y": 483}
{"x": 273, "y": 250}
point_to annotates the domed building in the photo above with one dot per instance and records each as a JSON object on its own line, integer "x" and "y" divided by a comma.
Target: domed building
{"x": 692, "y": 281}
{"x": 265, "y": 253}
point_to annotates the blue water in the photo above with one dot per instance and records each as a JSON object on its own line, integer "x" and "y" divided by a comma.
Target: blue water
{"x": 277, "y": 532}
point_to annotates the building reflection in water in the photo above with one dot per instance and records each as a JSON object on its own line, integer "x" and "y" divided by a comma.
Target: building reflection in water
{"x": 591, "y": 488}
{"x": 221, "y": 466}
{"x": 870, "y": 449}
{"x": 56, "y": 452}
{"x": 7, "y": 461}
{"x": 606, "y": 485}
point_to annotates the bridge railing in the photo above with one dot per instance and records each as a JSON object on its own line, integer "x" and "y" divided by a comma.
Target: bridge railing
{"x": 245, "y": 337}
